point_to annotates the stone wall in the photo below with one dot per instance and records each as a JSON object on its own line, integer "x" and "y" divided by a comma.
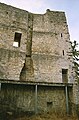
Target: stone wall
{"x": 11, "y": 63}
{"x": 18, "y": 98}
{"x": 44, "y": 46}
{"x": 44, "y": 51}
{"x": 51, "y": 47}
{"x": 12, "y": 20}
{"x": 76, "y": 99}
{"x": 12, "y": 58}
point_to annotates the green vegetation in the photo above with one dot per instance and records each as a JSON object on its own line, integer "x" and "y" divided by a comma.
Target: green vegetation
{"x": 75, "y": 54}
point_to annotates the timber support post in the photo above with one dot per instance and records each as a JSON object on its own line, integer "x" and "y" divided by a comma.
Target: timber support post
{"x": 67, "y": 100}
{"x": 36, "y": 90}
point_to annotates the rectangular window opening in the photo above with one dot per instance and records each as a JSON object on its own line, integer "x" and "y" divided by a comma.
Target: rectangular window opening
{"x": 61, "y": 35}
{"x": 65, "y": 75}
{"x": 17, "y": 39}
{"x": 63, "y": 52}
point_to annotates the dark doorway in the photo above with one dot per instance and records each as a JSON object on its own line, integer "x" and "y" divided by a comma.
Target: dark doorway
{"x": 65, "y": 75}
{"x": 49, "y": 106}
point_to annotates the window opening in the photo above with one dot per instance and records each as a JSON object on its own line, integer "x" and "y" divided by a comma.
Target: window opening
{"x": 65, "y": 75}
{"x": 17, "y": 39}
{"x": 61, "y": 35}
{"x": 63, "y": 52}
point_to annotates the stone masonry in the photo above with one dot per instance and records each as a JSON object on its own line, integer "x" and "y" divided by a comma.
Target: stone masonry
{"x": 44, "y": 45}
{"x": 35, "y": 49}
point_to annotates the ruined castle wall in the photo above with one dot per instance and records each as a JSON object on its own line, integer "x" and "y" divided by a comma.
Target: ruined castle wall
{"x": 44, "y": 46}
{"x": 12, "y": 20}
{"x": 53, "y": 99}
{"x": 12, "y": 59}
{"x": 44, "y": 50}
{"x": 17, "y": 98}
{"x": 51, "y": 47}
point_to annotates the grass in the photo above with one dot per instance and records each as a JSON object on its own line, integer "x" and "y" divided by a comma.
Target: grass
{"x": 48, "y": 116}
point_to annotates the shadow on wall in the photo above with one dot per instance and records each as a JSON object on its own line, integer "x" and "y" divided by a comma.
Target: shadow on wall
{"x": 27, "y": 70}
{"x": 23, "y": 73}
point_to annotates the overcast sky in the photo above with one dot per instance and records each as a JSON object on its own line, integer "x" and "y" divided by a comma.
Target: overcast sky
{"x": 70, "y": 7}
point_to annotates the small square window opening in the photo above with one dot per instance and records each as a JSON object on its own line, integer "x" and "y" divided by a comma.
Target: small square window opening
{"x": 63, "y": 52}
{"x": 61, "y": 35}
{"x": 17, "y": 39}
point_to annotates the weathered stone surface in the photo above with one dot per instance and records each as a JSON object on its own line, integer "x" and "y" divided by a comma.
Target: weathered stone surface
{"x": 42, "y": 52}
{"x": 22, "y": 98}
{"x": 44, "y": 45}
{"x": 11, "y": 63}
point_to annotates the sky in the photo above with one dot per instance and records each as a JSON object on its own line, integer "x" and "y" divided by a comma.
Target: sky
{"x": 70, "y": 7}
